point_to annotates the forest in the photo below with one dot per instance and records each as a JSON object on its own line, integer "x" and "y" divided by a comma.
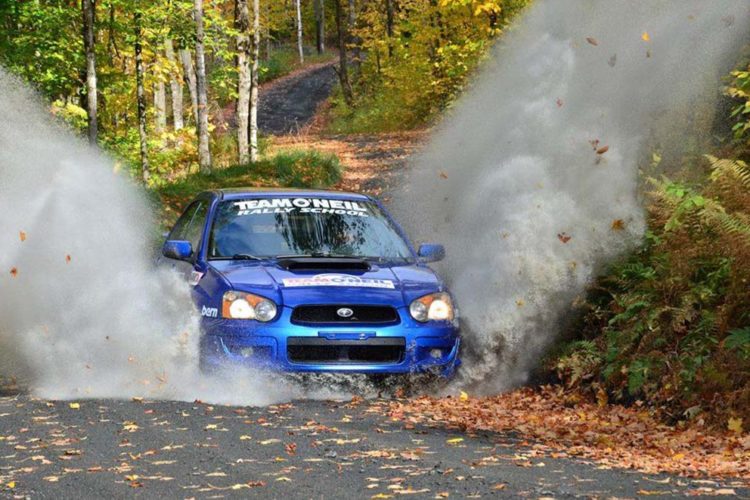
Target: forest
{"x": 171, "y": 87}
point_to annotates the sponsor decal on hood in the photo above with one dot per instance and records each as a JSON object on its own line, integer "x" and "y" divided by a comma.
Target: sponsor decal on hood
{"x": 338, "y": 280}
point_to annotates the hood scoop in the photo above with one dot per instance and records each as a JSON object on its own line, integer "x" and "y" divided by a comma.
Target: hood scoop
{"x": 324, "y": 264}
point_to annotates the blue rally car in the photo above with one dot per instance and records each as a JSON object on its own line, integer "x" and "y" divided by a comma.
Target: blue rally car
{"x": 312, "y": 281}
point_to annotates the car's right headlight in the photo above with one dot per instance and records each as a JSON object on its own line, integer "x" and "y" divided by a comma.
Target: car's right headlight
{"x": 435, "y": 306}
{"x": 241, "y": 305}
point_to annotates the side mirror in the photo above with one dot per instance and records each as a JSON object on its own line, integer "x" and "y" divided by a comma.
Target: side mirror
{"x": 177, "y": 249}
{"x": 431, "y": 253}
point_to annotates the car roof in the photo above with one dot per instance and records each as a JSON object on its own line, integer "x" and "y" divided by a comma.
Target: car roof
{"x": 243, "y": 193}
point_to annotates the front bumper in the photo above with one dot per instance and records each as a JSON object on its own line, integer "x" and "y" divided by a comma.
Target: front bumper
{"x": 407, "y": 347}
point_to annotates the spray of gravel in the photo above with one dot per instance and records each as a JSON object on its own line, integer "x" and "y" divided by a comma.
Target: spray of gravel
{"x": 532, "y": 180}
{"x": 83, "y": 311}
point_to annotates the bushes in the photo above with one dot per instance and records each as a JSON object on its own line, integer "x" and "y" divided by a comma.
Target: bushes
{"x": 671, "y": 324}
{"x": 292, "y": 168}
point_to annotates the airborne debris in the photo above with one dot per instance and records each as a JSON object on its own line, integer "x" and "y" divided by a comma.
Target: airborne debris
{"x": 564, "y": 237}
{"x": 592, "y": 41}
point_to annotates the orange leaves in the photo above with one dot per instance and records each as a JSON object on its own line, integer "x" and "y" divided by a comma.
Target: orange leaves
{"x": 614, "y": 435}
{"x": 592, "y": 41}
{"x": 646, "y": 37}
{"x": 564, "y": 237}
{"x": 618, "y": 225}
{"x": 22, "y": 236}
{"x": 602, "y": 150}
{"x": 291, "y": 449}
{"x": 68, "y": 258}
{"x": 14, "y": 272}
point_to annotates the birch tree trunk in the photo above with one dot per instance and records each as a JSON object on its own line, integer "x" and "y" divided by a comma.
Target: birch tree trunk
{"x": 254, "y": 83}
{"x": 320, "y": 25}
{"x": 89, "y": 18}
{"x": 299, "y": 31}
{"x": 175, "y": 85}
{"x": 343, "y": 70}
{"x": 204, "y": 152}
{"x": 244, "y": 56}
{"x": 189, "y": 71}
{"x": 140, "y": 96}
{"x": 160, "y": 106}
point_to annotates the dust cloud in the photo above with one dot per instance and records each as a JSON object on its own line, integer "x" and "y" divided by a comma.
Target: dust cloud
{"x": 84, "y": 313}
{"x": 532, "y": 180}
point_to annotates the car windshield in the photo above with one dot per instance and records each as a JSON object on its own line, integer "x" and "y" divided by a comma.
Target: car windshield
{"x": 303, "y": 226}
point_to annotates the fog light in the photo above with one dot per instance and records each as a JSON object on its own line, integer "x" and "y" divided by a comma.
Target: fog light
{"x": 246, "y": 352}
{"x": 436, "y": 353}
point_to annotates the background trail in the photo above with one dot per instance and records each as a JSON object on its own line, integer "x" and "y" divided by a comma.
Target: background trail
{"x": 532, "y": 180}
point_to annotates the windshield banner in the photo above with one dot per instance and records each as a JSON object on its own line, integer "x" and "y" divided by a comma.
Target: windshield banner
{"x": 300, "y": 205}
{"x": 338, "y": 280}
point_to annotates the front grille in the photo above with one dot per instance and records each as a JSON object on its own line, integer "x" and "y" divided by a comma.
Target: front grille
{"x": 318, "y": 350}
{"x": 371, "y": 315}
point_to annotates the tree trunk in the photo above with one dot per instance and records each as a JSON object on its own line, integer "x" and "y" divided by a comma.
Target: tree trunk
{"x": 160, "y": 106}
{"x": 299, "y": 31}
{"x": 204, "y": 153}
{"x": 175, "y": 85}
{"x": 354, "y": 40}
{"x": 389, "y": 25}
{"x": 254, "y": 84}
{"x": 189, "y": 71}
{"x": 89, "y": 18}
{"x": 141, "y": 96}
{"x": 320, "y": 25}
{"x": 343, "y": 70}
{"x": 244, "y": 56}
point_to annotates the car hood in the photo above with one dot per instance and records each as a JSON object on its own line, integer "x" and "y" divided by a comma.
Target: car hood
{"x": 381, "y": 285}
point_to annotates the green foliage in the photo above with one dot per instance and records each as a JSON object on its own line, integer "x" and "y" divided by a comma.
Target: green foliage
{"x": 72, "y": 114}
{"x": 293, "y": 168}
{"x": 670, "y": 322}
{"x": 739, "y": 90}
{"x": 407, "y": 79}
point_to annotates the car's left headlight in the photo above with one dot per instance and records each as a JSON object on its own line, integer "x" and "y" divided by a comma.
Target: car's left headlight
{"x": 435, "y": 306}
{"x": 241, "y": 305}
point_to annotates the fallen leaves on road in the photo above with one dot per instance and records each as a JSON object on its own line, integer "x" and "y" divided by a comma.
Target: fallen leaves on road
{"x": 614, "y": 435}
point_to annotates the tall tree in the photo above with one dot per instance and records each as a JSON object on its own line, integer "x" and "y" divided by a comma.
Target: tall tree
{"x": 189, "y": 71}
{"x": 89, "y": 41}
{"x": 354, "y": 41}
{"x": 343, "y": 71}
{"x": 175, "y": 85}
{"x": 160, "y": 104}
{"x": 140, "y": 94}
{"x": 244, "y": 57}
{"x": 204, "y": 152}
{"x": 298, "y": 8}
{"x": 319, "y": 7}
{"x": 254, "y": 83}
{"x": 389, "y": 24}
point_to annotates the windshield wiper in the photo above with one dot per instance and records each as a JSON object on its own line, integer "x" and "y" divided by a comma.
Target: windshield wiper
{"x": 245, "y": 256}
